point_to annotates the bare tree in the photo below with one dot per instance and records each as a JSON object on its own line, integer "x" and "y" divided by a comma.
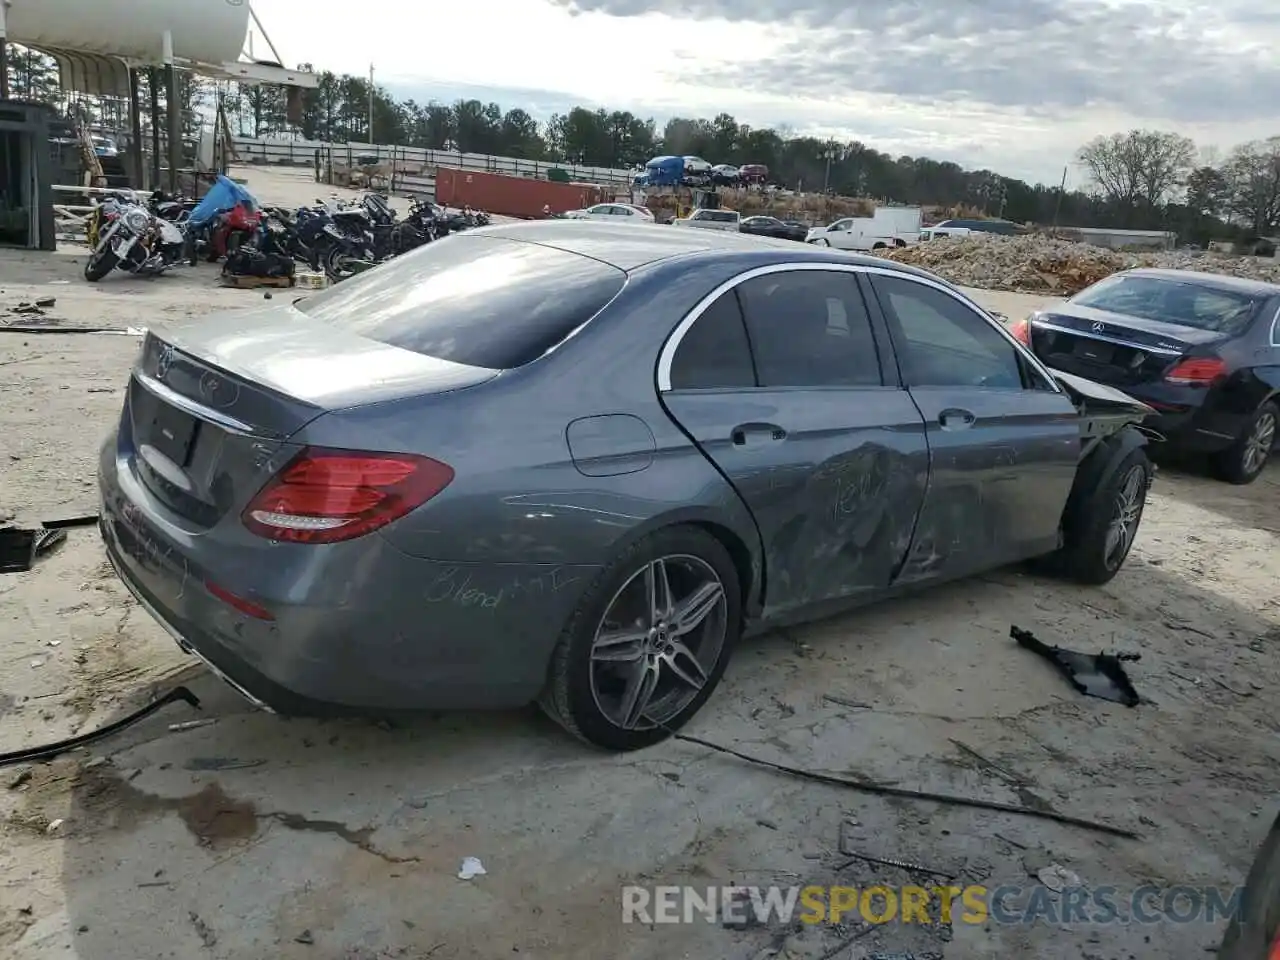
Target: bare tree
{"x": 1138, "y": 168}
{"x": 1252, "y": 174}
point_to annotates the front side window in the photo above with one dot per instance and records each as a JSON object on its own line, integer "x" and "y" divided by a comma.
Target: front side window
{"x": 942, "y": 341}
{"x": 810, "y": 328}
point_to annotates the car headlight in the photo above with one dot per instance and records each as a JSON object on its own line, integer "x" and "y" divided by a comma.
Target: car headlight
{"x": 137, "y": 220}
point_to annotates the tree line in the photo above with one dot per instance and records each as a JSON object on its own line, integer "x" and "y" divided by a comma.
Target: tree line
{"x": 1140, "y": 179}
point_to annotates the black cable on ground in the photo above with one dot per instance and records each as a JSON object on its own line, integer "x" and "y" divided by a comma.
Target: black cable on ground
{"x": 50, "y": 750}
{"x": 884, "y": 790}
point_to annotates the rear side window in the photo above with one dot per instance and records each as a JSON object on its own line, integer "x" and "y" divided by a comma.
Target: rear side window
{"x": 714, "y": 352}
{"x": 482, "y": 301}
{"x": 810, "y": 328}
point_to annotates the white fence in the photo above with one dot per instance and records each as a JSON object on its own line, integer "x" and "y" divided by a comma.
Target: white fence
{"x": 414, "y": 159}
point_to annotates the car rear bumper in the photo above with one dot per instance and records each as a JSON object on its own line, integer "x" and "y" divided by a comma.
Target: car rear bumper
{"x": 390, "y": 633}
{"x": 1190, "y": 419}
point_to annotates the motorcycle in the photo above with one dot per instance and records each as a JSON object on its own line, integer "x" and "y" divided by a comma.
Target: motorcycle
{"x": 232, "y": 229}
{"x": 173, "y": 209}
{"x": 131, "y": 238}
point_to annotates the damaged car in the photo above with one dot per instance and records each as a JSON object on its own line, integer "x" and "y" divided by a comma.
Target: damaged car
{"x": 576, "y": 463}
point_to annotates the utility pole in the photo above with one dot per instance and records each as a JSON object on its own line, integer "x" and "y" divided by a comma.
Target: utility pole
{"x": 828, "y": 154}
{"x": 371, "y": 103}
{"x": 1062, "y": 190}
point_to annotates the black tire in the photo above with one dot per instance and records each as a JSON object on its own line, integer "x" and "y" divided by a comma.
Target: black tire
{"x": 1085, "y": 555}
{"x": 335, "y": 264}
{"x": 99, "y": 264}
{"x": 1251, "y": 932}
{"x": 1234, "y": 465}
{"x": 568, "y": 698}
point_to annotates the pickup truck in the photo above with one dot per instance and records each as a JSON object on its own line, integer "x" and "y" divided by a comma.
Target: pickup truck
{"x": 729, "y": 220}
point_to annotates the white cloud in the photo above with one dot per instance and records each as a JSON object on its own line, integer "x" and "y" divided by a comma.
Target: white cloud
{"x": 1014, "y": 85}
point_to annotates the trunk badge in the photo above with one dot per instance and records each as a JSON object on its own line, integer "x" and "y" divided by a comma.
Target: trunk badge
{"x": 1099, "y": 326}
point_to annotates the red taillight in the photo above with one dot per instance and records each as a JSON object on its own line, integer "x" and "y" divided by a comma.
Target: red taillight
{"x": 1021, "y": 330}
{"x": 1202, "y": 371}
{"x": 324, "y": 496}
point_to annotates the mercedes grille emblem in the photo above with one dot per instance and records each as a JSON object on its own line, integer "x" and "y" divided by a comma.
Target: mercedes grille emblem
{"x": 1099, "y": 326}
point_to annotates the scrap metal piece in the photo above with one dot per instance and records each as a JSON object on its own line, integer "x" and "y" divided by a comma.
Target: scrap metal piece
{"x": 88, "y": 520}
{"x": 1098, "y": 675}
{"x": 51, "y": 750}
{"x": 19, "y": 548}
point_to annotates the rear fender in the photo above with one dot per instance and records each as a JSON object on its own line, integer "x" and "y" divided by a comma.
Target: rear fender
{"x": 737, "y": 533}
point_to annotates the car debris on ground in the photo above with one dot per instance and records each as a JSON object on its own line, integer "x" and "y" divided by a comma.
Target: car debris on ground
{"x": 1093, "y": 674}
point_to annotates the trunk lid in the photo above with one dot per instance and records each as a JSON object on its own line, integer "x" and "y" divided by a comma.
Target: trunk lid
{"x": 212, "y": 402}
{"x": 1111, "y": 347}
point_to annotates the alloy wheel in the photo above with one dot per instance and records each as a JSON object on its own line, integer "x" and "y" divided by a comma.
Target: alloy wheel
{"x": 1124, "y": 521}
{"x": 658, "y": 642}
{"x": 1257, "y": 448}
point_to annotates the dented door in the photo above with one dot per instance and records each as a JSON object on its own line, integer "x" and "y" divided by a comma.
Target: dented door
{"x": 1003, "y": 441}
{"x": 833, "y": 474}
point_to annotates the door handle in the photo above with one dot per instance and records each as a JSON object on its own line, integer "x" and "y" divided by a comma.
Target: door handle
{"x": 741, "y": 433}
{"x": 955, "y": 419}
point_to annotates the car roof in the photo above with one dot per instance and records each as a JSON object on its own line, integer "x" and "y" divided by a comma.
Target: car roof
{"x": 631, "y": 246}
{"x": 1212, "y": 281}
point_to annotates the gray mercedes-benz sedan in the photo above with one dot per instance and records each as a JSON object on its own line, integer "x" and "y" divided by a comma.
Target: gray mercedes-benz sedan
{"x": 574, "y": 462}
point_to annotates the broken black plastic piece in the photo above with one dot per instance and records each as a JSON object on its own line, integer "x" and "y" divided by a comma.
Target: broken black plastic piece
{"x": 1093, "y": 674}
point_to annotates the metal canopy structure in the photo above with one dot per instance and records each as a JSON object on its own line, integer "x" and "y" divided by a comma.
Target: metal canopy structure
{"x": 101, "y": 47}
{"x": 96, "y": 44}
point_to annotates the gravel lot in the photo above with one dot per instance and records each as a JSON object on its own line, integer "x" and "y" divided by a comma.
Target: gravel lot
{"x": 257, "y": 837}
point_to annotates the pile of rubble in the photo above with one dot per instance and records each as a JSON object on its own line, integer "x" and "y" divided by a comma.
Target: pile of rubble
{"x": 1041, "y": 264}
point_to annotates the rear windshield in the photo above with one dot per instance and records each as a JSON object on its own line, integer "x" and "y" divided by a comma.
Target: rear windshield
{"x": 1172, "y": 301}
{"x": 482, "y": 301}
{"x": 716, "y": 215}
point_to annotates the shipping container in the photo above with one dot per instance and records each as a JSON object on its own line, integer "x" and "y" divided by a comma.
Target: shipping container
{"x": 513, "y": 196}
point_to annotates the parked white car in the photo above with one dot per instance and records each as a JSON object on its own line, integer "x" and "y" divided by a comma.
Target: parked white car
{"x": 613, "y": 213}
{"x": 696, "y": 167}
{"x": 729, "y": 220}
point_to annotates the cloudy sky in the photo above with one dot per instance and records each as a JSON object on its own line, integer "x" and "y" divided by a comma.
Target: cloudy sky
{"x": 1014, "y": 85}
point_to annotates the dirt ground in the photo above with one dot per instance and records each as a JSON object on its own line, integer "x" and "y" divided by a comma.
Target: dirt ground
{"x": 258, "y": 837}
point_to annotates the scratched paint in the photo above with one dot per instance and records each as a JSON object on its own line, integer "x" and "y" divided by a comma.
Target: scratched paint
{"x": 470, "y": 588}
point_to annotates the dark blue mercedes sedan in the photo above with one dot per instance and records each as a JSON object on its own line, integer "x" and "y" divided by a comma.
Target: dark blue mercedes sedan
{"x": 1203, "y": 350}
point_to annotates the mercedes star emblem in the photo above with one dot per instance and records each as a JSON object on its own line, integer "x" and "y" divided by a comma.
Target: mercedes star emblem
{"x": 1099, "y": 326}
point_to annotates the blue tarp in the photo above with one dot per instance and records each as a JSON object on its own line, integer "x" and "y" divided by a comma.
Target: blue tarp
{"x": 222, "y": 196}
